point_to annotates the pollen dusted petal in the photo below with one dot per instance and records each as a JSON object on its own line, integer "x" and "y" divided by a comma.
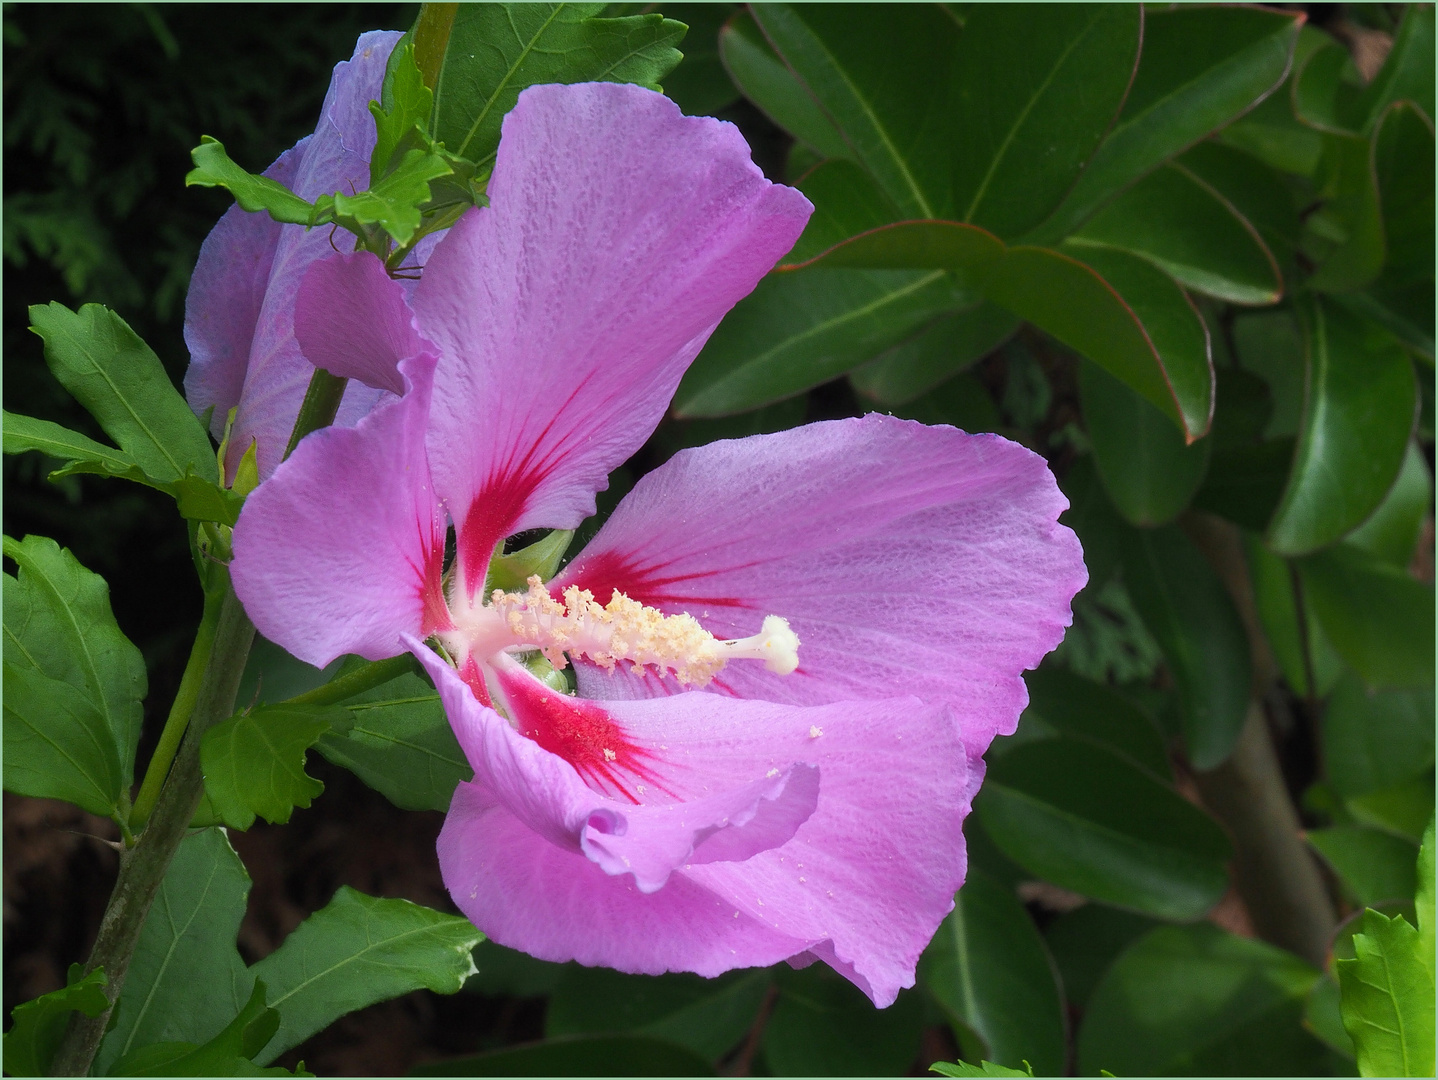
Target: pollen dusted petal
{"x": 340, "y": 550}
{"x": 618, "y": 234}
{"x": 908, "y": 559}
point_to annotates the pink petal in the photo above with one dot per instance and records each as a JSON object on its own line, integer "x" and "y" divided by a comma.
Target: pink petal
{"x": 226, "y": 293}
{"x": 341, "y": 550}
{"x": 336, "y": 158}
{"x": 618, "y": 234}
{"x": 735, "y": 819}
{"x": 353, "y": 320}
{"x": 908, "y": 559}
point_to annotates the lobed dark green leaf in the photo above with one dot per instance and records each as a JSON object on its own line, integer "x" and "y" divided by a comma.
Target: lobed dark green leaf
{"x": 213, "y": 168}
{"x": 254, "y": 762}
{"x": 1387, "y": 999}
{"x": 39, "y": 1025}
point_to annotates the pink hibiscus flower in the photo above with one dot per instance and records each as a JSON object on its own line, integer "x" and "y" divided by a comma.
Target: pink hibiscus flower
{"x": 790, "y": 649}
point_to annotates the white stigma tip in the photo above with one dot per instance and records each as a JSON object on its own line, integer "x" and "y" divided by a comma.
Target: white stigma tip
{"x": 775, "y": 644}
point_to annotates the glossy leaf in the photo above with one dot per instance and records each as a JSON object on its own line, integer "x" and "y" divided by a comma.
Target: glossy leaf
{"x": 187, "y": 941}
{"x": 989, "y": 971}
{"x": 1084, "y": 709}
{"x": 58, "y": 624}
{"x": 584, "y": 1055}
{"x": 1374, "y": 740}
{"x": 1387, "y": 999}
{"x": 494, "y": 51}
{"x": 1254, "y": 189}
{"x": 1087, "y": 820}
{"x": 1358, "y": 415}
{"x": 700, "y": 85}
{"x": 355, "y": 951}
{"x": 116, "y": 376}
{"x": 1379, "y": 619}
{"x": 1297, "y": 648}
{"x": 706, "y": 1016}
{"x": 1326, "y": 88}
{"x": 40, "y": 1025}
{"x": 823, "y": 1025}
{"x": 1149, "y": 471}
{"x": 1188, "y": 611}
{"x": 848, "y": 203}
{"x": 1244, "y": 483}
{"x": 1357, "y": 245}
{"x": 796, "y": 331}
{"x": 1269, "y": 344}
{"x": 1403, "y": 169}
{"x": 1272, "y": 134}
{"x": 766, "y": 81}
{"x": 1194, "y": 1000}
{"x": 1182, "y": 224}
{"x": 935, "y": 354}
{"x": 1202, "y": 67}
{"x": 1086, "y": 941}
{"x": 1407, "y": 73}
{"x": 254, "y": 763}
{"x": 963, "y": 402}
{"x": 1375, "y": 865}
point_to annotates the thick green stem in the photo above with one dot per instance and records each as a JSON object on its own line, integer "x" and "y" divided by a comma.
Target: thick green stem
{"x": 357, "y": 682}
{"x": 1273, "y": 870}
{"x": 142, "y": 869}
{"x": 322, "y": 401}
{"x": 180, "y": 711}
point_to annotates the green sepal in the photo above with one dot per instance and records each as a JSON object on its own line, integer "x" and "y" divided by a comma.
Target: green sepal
{"x": 512, "y": 572}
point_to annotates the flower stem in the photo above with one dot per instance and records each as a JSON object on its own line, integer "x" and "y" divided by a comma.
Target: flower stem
{"x": 180, "y": 712}
{"x": 142, "y": 868}
{"x": 322, "y": 401}
{"x": 357, "y": 682}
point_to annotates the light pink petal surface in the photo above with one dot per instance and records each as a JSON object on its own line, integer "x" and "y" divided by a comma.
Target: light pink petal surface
{"x": 618, "y": 233}
{"x": 908, "y": 559}
{"x": 336, "y": 158}
{"x": 739, "y": 815}
{"x": 341, "y": 550}
{"x": 353, "y": 320}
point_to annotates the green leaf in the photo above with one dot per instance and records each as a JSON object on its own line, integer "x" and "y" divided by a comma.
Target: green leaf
{"x": 1272, "y": 134}
{"x": 227, "y": 1054}
{"x": 187, "y": 941}
{"x": 57, "y": 745}
{"x": 1086, "y": 941}
{"x": 1150, "y": 472}
{"x": 1195, "y": 1001}
{"x": 1322, "y": 1017}
{"x": 254, "y": 763}
{"x": 1375, "y": 740}
{"x": 1326, "y": 88}
{"x": 1269, "y": 344}
{"x": 1350, "y": 250}
{"x": 1188, "y": 611}
{"x": 213, "y": 168}
{"x": 767, "y": 82}
{"x": 1387, "y": 999}
{"x": 1082, "y": 817}
{"x": 400, "y": 744}
{"x": 1084, "y": 709}
{"x": 699, "y": 85}
{"x": 585, "y": 1055}
{"x": 1274, "y": 582}
{"x": 1423, "y": 902}
{"x": 356, "y": 951}
{"x": 1357, "y": 420}
{"x": 963, "y": 1068}
{"x": 27, "y": 433}
{"x": 510, "y": 973}
{"x": 1255, "y": 190}
{"x": 796, "y": 331}
{"x": 1408, "y": 70}
{"x": 1244, "y": 483}
{"x": 989, "y": 971}
{"x": 823, "y": 1025}
{"x": 1403, "y": 168}
{"x": 115, "y": 375}
{"x": 1375, "y": 865}
{"x": 394, "y": 203}
{"x": 58, "y": 624}
{"x": 1201, "y": 68}
{"x": 935, "y": 354}
{"x": 963, "y": 401}
{"x": 1379, "y": 619}
{"x": 40, "y": 1025}
{"x": 705, "y": 1016}
{"x": 1182, "y": 224}
{"x": 403, "y": 113}
{"x": 1403, "y": 810}
{"x": 496, "y": 50}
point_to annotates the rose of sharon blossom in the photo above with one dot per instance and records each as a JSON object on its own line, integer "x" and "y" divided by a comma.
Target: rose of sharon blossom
{"x": 239, "y": 313}
{"x": 790, "y": 649}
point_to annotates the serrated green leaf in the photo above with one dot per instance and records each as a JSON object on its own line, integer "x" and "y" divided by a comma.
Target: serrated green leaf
{"x": 987, "y": 1068}
{"x": 116, "y": 376}
{"x": 699, "y": 85}
{"x": 355, "y": 951}
{"x": 213, "y": 168}
{"x": 1387, "y": 999}
{"x": 1148, "y": 469}
{"x": 40, "y": 1025}
{"x": 1378, "y": 618}
{"x": 393, "y": 203}
{"x": 496, "y": 50}
{"x": 254, "y": 763}
{"x": 227, "y": 1054}
{"x": 187, "y": 941}
{"x": 58, "y": 624}
{"x": 1075, "y": 814}
{"x": 1194, "y": 1000}
{"x": 407, "y": 104}
{"x": 989, "y": 971}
